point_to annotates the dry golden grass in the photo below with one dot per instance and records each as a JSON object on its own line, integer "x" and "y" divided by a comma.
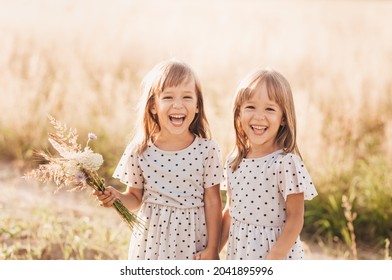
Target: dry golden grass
{"x": 82, "y": 61}
{"x": 36, "y": 224}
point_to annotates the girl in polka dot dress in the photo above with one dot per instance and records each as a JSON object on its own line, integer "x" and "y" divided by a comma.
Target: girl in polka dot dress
{"x": 267, "y": 181}
{"x": 172, "y": 170}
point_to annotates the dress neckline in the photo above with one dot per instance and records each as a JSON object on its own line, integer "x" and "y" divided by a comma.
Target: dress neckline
{"x": 263, "y": 157}
{"x": 153, "y": 146}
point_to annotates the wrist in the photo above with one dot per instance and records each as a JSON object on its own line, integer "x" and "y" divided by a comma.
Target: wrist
{"x": 212, "y": 248}
{"x": 275, "y": 255}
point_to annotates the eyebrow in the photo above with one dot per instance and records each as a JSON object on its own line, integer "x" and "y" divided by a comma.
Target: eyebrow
{"x": 269, "y": 104}
{"x": 169, "y": 91}
{"x": 273, "y": 105}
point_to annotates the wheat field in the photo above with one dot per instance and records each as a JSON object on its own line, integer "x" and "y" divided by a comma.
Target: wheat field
{"x": 83, "y": 61}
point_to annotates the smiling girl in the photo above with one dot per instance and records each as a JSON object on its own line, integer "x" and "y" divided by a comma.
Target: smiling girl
{"x": 172, "y": 170}
{"x": 267, "y": 181}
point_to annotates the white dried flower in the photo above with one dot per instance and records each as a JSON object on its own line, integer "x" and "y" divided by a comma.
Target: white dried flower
{"x": 89, "y": 160}
{"x": 75, "y": 168}
{"x": 71, "y": 167}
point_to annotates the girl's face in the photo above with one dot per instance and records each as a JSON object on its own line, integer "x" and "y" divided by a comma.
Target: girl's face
{"x": 261, "y": 118}
{"x": 176, "y": 108}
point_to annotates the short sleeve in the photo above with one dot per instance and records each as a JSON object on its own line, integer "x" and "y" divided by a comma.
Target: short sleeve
{"x": 213, "y": 173}
{"x": 128, "y": 169}
{"x": 293, "y": 177}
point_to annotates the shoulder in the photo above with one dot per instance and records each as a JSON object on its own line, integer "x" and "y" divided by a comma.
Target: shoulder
{"x": 230, "y": 158}
{"x": 131, "y": 152}
{"x": 230, "y": 161}
{"x": 288, "y": 157}
{"x": 207, "y": 144}
{"x": 290, "y": 160}
{"x": 131, "y": 149}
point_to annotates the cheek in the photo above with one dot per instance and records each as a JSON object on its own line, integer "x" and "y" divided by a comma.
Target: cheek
{"x": 193, "y": 104}
{"x": 159, "y": 107}
{"x": 243, "y": 116}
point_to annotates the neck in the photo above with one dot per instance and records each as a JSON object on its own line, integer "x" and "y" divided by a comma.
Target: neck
{"x": 173, "y": 142}
{"x": 256, "y": 152}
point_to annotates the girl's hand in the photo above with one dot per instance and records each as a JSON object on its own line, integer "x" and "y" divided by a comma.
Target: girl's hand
{"x": 106, "y": 198}
{"x": 207, "y": 254}
{"x": 273, "y": 256}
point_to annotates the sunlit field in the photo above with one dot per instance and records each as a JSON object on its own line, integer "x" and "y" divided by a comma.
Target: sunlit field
{"x": 83, "y": 61}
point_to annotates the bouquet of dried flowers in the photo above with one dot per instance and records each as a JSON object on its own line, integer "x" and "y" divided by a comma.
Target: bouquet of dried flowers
{"x": 74, "y": 168}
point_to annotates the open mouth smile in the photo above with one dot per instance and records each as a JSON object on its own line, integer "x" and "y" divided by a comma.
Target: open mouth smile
{"x": 258, "y": 129}
{"x": 177, "y": 120}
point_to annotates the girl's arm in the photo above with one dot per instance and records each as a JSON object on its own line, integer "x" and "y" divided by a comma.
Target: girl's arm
{"x": 292, "y": 229}
{"x": 226, "y": 221}
{"x": 213, "y": 208}
{"x": 131, "y": 198}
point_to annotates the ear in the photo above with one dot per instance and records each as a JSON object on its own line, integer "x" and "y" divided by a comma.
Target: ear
{"x": 283, "y": 122}
{"x": 153, "y": 109}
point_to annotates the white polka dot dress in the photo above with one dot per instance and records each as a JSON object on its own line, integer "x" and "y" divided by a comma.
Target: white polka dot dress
{"x": 173, "y": 204}
{"x": 258, "y": 189}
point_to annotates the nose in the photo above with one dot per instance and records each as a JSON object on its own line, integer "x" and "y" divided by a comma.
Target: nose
{"x": 177, "y": 103}
{"x": 259, "y": 115}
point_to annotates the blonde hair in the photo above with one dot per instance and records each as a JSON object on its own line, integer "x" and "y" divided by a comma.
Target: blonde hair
{"x": 169, "y": 73}
{"x": 279, "y": 90}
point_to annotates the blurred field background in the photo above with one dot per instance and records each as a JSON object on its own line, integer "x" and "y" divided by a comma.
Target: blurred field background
{"x": 83, "y": 61}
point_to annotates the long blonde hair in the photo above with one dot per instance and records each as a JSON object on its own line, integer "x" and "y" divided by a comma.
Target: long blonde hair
{"x": 169, "y": 73}
{"x": 279, "y": 90}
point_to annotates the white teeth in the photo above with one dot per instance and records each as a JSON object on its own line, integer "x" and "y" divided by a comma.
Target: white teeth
{"x": 177, "y": 120}
{"x": 177, "y": 116}
{"x": 258, "y": 127}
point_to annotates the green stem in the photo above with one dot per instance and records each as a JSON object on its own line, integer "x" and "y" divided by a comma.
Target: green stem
{"x": 94, "y": 181}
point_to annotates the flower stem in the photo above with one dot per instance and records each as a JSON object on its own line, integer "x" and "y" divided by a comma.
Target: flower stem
{"x": 128, "y": 217}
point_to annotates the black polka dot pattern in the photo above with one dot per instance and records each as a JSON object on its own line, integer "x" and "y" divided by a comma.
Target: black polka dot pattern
{"x": 258, "y": 190}
{"x": 171, "y": 233}
{"x": 173, "y": 185}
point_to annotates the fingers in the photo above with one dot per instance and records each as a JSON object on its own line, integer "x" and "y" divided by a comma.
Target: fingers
{"x": 206, "y": 255}
{"x": 197, "y": 256}
{"x": 106, "y": 198}
{"x": 97, "y": 193}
